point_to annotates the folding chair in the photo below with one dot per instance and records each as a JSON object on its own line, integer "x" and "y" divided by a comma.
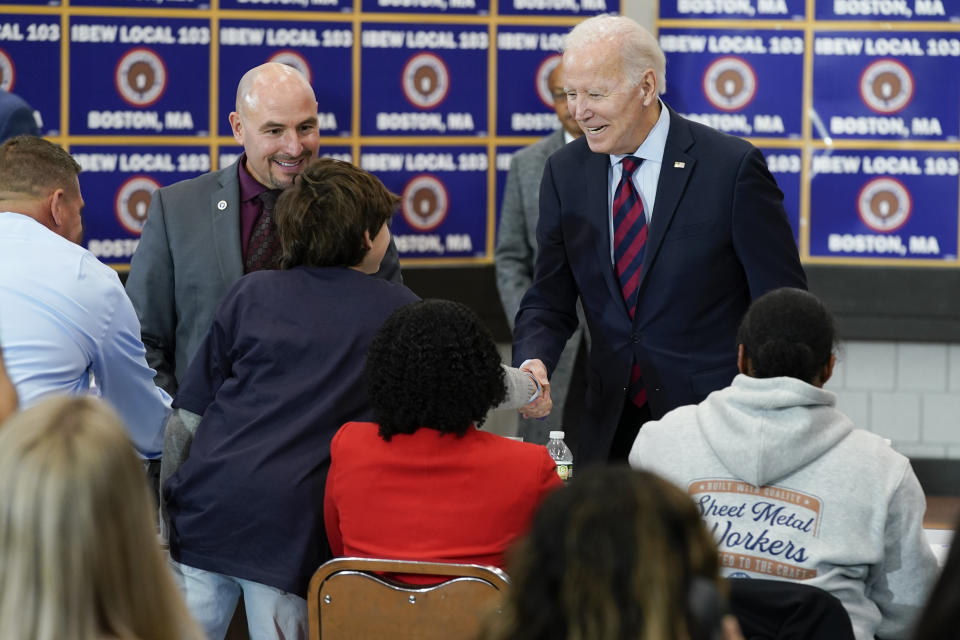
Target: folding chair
{"x": 780, "y": 610}
{"x": 351, "y": 599}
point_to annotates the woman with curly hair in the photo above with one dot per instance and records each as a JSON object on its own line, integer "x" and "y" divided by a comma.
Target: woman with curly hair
{"x": 79, "y": 558}
{"x": 421, "y": 482}
{"x": 615, "y": 555}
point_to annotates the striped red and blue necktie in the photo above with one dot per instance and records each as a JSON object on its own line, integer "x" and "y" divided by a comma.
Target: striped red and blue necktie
{"x": 629, "y": 240}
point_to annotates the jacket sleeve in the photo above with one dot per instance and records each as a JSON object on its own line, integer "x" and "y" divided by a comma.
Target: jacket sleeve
{"x": 331, "y": 515}
{"x": 178, "y": 436}
{"x": 520, "y": 388}
{"x": 548, "y": 311}
{"x": 762, "y": 236}
{"x": 150, "y": 287}
{"x": 124, "y": 378}
{"x": 213, "y": 362}
{"x": 899, "y": 585}
{"x": 513, "y": 256}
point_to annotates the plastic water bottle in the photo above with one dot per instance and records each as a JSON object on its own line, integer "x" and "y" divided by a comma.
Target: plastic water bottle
{"x": 561, "y": 454}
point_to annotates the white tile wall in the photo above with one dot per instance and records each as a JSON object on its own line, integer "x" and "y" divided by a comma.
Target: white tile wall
{"x": 940, "y": 415}
{"x": 953, "y": 367}
{"x": 856, "y": 404}
{"x": 869, "y": 365}
{"x": 895, "y": 416}
{"x": 921, "y": 367}
{"x": 908, "y": 392}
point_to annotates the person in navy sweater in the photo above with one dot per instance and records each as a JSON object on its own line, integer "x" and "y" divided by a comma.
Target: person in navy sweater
{"x": 280, "y": 369}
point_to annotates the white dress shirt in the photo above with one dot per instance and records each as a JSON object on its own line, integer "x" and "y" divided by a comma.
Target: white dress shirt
{"x": 645, "y": 178}
{"x": 64, "y": 316}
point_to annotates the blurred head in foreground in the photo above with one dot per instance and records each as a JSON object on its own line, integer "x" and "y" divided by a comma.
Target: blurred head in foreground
{"x": 79, "y": 557}
{"x": 616, "y": 554}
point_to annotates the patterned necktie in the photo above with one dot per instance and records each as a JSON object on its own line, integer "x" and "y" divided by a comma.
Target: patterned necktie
{"x": 629, "y": 240}
{"x": 263, "y": 249}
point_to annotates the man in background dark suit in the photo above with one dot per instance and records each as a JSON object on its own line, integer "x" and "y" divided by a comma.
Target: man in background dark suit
{"x": 202, "y": 234}
{"x": 516, "y": 252}
{"x": 666, "y": 261}
{"x": 16, "y": 117}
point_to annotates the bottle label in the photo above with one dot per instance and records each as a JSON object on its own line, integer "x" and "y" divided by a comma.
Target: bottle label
{"x": 565, "y": 471}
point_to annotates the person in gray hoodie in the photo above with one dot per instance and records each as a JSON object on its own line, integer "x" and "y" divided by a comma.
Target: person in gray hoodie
{"x": 789, "y": 487}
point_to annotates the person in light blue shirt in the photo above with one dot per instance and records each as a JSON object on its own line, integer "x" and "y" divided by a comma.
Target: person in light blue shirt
{"x": 8, "y": 394}
{"x": 64, "y": 316}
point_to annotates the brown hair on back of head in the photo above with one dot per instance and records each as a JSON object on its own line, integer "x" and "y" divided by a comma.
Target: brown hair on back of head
{"x": 321, "y": 218}
{"x": 611, "y": 556}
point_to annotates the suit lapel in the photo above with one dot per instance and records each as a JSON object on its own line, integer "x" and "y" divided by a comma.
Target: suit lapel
{"x": 596, "y": 168}
{"x": 674, "y": 174}
{"x": 224, "y": 207}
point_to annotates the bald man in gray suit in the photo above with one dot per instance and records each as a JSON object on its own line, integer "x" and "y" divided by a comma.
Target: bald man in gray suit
{"x": 516, "y": 250}
{"x": 196, "y": 238}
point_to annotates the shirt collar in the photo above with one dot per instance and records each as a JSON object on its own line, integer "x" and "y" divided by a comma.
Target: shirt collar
{"x": 250, "y": 187}
{"x": 656, "y": 141}
{"x": 567, "y": 137}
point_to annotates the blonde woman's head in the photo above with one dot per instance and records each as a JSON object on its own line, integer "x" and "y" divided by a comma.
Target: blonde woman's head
{"x": 79, "y": 556}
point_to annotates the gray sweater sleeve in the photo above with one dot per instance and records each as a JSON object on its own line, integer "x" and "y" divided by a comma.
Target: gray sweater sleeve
{"x": 909, "y": 567}
{"x": 180, "y": 429}
{"x": 520, "y": 388}
{"x": 181, "y": 426}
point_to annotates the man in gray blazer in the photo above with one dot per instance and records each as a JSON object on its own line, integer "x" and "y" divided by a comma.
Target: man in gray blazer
{"x": 516, "y": 250}
{"x": 202, "y": 234}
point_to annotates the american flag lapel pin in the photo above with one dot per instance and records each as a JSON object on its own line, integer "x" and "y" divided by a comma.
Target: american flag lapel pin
{"x": 679, "y": 165}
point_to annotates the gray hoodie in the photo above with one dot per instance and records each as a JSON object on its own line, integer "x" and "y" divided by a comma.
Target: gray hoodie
{"x": 792, "y": 491}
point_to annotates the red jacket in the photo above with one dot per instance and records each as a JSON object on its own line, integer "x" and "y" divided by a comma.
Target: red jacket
{"x": 432, "y": 496}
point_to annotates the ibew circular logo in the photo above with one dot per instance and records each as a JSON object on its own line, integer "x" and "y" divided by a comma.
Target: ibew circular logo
{"x": 886, "y": 86}
{"x": 884, "y": 204}
{"x": 729, "y": 83}
{"x": 295, "y": 60}
{"x": 425, "y": 80}
{"x": 7, "y": 72}
{"x": 133, "y": 201}
{"x": 543, "y": 74}
{"x": 425, "y": 202}
{"x": 141, "y": 77}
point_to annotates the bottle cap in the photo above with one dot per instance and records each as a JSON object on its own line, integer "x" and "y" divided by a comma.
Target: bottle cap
{"x": 558, "y": 435}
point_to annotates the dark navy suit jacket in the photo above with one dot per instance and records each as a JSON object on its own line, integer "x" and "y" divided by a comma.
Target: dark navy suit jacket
{"x": 16, "y": 117}
{"x": 718, "y": 239}
{"x": 277, "y": 374}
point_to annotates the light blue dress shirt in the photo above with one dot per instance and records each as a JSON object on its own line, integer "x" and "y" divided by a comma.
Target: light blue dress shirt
{"x": 645, "y": 178}
{"x": 64, "y": 316}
